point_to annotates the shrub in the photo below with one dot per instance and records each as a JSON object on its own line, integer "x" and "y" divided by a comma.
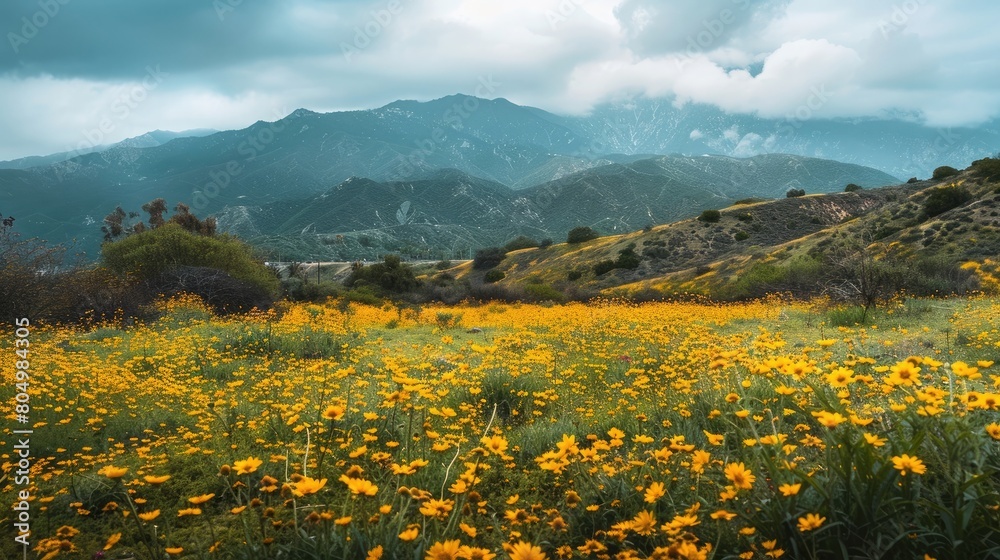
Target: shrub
{"x": 942, "y": 199}
{"x": 987, "y": 168}
{"x": 442, "y": 265}
{"x": 852, "y": 187}
{"x": 751, "y": 200}
{"x": 218, "y": 289}
{"x": 574, "y": 275}
{"x": 912, "y": 180}
{"x": 741, "y": 236}
{"x": 390, "y": 275}
{"x": 520, "y": 242}
{"x": 710, "y": 216}
{"x": 627, "y": 258}
{"x": 604, "y": 267}
{"x": 793, "y": 193}
{"x": 494, "y": 276}
{"x": 154, "y": 252}
{"x": 944, "y": 172}
{"x": 488, "y": 258}
{"x": 581, "y": 234}
{"x": 544, "y": 292}
{"x": 545, "y": 244}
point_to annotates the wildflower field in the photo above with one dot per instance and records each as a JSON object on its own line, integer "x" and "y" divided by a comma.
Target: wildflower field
{"x": 603, "y": 430}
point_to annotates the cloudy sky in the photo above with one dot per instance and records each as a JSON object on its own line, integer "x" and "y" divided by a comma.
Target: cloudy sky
{"x": 74, "y": 72}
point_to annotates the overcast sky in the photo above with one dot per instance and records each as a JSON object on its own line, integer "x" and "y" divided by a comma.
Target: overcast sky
{"x": 69, "y": 67}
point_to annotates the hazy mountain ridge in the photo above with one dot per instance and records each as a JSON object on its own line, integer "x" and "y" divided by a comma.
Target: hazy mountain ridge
{"x": 306, "y": 153}
{"x": 612, "y": 198}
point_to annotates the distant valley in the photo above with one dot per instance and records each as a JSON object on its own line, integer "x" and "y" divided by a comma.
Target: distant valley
{"x": 472, "y": 171}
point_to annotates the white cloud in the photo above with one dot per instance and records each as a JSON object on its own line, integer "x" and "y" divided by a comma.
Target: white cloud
{"x": 836, "y": 58}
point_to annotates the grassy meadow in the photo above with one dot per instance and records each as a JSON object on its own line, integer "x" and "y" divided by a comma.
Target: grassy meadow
{"x": 604, "y": 430}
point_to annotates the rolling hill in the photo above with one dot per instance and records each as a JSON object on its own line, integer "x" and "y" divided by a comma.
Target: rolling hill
{"x": 448, "y": 213}
{"x": 790, "y": 243}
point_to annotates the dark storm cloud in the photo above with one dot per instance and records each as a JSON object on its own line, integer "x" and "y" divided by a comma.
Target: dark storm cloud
{"x": 114, "y": 39}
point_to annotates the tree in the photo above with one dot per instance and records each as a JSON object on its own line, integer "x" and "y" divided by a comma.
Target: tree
{"x": 944, "y": 172}
{"x": 390, "y": 275}
{"x": 31, "y": 282}
{"x": 520, "y": 242}
{"x": 793, "y": 193}
{"x": 120, "y": 224}
{"x": 852, "y": 187}
{"x": 488, "y": 258}
{"x": 942, "y": 199}
{"x": 710, "y": 216}
{"x": 150, "y": 255}
{"x": 581, "y": 234}
{"x": 860, "y": 271}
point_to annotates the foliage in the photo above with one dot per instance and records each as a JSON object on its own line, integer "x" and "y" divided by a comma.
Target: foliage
{"x": 520, "y": 242}
{"x": 120, "y": 224}
{"x": 31, "y": 284}
{"x": 494, "y": 275}
{"x": 148, "y": 255}
{"x": 852, "y": 187}
{"x": 710, "y": 216}
{"x": 741, "y": 236}
{"x": 987, "y": 168}
{"x": 944, "y": 172}
{"x": 942, "y": 199}
{"x": 488, "y": 258}
{"x": 627, "y": 259}
{"x": 581, "y": 234}
{"x": 543, "y": 292}
{"x": 389, "y": 276}
{"x": 793, "y": 193}
{"x": 545, "y": 244}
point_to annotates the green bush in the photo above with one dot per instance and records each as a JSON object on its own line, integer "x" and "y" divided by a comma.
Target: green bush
{"x": 710, "y": 216}
{"x": 545, "y": 244}
{"x": 793, "y": 193}
{"x": 494, "y": 276}
{"x": 520, "y": 242}
{"x": 944, "y": 172}
{"x": 942, "y": 199}
{"x": 544, "y": 292}
{"x": 581, "y": 234}
{"x": 852, "y": 187}
{"x": 604, "y": 267}
{"x": 390, "y": 275}
{"x": 741, "y": 236}
{"x": 488, "y": 258}
{"x": 987, "y": 168}
{"x": 150, "y": 254}
{"x": 574, "y": 275}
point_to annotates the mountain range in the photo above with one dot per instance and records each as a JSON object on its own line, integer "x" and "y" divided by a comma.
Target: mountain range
{"x": 609, "y": 169}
